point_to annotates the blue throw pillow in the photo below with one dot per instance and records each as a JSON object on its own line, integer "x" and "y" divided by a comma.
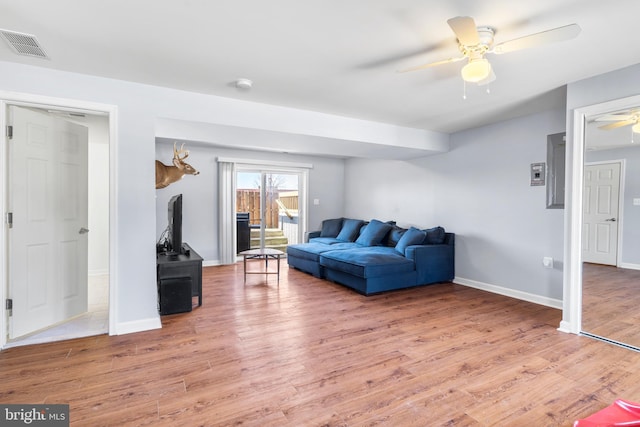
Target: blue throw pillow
{"x": 373, "y": 233}
{"x": 331, "y": 227}
{"x": 394, "y": 236}
{"x": 435, "y": 236}
{"x": 412, "y": 236}
{"x": 350, "y": 230}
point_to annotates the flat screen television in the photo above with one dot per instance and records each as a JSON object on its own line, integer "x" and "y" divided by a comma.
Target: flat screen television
{"x": 174, "y": 235}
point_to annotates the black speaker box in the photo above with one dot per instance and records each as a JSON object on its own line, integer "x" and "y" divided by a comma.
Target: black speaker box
{"x": 175, "y": 295}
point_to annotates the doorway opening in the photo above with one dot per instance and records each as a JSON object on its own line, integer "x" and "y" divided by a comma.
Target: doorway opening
{"x": 573, "y": 272}
{"x": 68, "y": 295}
{"x": 268, "y": 208}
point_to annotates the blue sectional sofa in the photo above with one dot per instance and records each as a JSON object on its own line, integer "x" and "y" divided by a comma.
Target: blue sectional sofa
{"x": 375, "y": 256}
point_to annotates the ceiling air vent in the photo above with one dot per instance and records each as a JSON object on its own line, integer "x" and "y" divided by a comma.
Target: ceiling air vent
{"x": 24, "y": 44}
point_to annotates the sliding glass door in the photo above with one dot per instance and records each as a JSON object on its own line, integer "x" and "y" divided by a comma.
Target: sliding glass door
{"x": 268, "y": 207}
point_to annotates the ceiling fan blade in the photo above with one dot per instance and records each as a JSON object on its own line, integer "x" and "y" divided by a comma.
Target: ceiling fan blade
{"x": 489, "y": 79}
{"x": 555, "y": 35}
{"x": 432, "y": 64}
{"x": 465, "y": 29}
{"x": 619, "y": 124}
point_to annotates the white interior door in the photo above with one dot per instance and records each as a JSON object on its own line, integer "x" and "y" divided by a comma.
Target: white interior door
{"x": 601, "y": 205}
{"x": 48, "y": 236}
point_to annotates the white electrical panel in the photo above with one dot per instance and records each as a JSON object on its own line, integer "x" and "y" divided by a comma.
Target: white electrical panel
{"x": 537, "y": 174}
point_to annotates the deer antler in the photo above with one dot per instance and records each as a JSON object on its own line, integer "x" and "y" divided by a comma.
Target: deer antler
{"x": 176, "y": 152}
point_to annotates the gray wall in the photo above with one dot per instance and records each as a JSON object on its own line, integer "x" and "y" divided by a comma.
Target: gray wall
{"x": 139, "y": 107}
{"x": 605, "y": 87}
{"x": 200, "y": 193}
{"x": 480, "y": 191}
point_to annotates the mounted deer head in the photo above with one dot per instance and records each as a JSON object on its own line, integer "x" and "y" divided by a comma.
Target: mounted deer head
{"x": 166, "y": 175}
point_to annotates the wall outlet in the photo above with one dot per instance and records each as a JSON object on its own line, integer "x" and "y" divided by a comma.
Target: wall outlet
{"x": 316, "y": 201}
{"x": 547, "y": 262}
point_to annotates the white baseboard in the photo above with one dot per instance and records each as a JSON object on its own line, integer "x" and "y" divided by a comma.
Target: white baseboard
{"x": 137, "y": 326}
{"x": 525, "y": 296}
{"x": 629, "y": 265}
{"x": 211, "y": 263}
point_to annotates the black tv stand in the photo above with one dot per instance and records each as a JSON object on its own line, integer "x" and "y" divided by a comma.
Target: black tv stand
{"x": 179, "y": 278}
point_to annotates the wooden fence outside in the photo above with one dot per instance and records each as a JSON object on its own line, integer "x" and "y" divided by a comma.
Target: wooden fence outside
{"x": 281, "y": 206}
{"x": 289, "y": 199}
{"x": 248, "y": 200}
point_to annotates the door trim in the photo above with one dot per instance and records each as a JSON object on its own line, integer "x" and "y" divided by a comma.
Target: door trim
{"x": 572, "y": 274}
{"x": 45, "y": 102}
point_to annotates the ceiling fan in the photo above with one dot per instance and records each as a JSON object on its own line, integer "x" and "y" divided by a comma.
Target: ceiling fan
{"x": 621, "y": 119}
{"x": 474, "y": 42}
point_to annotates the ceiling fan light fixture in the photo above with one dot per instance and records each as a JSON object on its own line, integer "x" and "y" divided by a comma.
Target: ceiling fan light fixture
{"x": 476, "y": 70}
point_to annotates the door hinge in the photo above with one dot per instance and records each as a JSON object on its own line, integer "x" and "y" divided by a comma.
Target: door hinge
{"x": 8, "y": 305}
{"x": 10, "y": 219}
{"x": 9, "y": 131}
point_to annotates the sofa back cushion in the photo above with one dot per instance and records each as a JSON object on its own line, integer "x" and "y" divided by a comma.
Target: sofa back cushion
{"x": 412, "y": 236}
{"x": 373, "y": 233}
{"x": 434, "y": 236}
{"x": 350, "y": 230}
{"x": 393, "y": 237}
{"x": 331, "y": 227}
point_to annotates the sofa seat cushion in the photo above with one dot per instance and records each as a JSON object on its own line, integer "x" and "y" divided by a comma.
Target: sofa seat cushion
{"x": 325, "y": 240}
{"x": 311, "y": 251}
{"x": 367, "y": 262}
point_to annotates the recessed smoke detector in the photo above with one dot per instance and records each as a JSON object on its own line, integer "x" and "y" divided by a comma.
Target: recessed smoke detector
{"x": 244, "y": 84}
{"x": 24, "y": 44}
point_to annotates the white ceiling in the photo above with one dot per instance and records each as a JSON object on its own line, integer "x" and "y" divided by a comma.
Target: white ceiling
{"x": 332, "y": 56}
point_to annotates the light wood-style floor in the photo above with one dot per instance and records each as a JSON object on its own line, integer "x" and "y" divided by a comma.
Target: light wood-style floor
{"x": 610, "y": 301}
{"x": 308, "y": 352}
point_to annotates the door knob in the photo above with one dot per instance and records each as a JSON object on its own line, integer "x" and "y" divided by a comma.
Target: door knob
{"x": 86, "y": 230}
{"x": 611, "y": 219}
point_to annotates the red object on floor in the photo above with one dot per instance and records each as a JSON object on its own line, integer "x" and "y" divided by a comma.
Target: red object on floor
{"x": 621, "y": 413}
